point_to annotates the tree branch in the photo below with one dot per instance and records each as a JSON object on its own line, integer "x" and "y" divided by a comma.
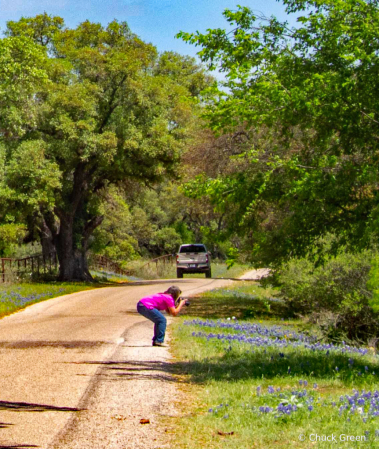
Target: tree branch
{"x": 112, "y": 106}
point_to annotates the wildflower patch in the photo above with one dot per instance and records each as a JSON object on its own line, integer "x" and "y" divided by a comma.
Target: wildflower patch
{"x": 16, "y": 297}
{"x": 274, "y": 385}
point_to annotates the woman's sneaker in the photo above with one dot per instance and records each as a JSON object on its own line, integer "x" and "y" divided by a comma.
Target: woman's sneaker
{"x": 156, "y": 343}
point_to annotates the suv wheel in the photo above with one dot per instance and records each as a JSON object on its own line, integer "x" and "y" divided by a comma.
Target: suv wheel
{"x": 208, "y": 274}
{"x": 179, "y": 273}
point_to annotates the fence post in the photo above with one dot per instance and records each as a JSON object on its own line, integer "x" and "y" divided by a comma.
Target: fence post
{"x": 3, "y": 268}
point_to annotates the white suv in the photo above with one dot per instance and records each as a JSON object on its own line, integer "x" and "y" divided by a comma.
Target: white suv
{"x": 193, "y": 258}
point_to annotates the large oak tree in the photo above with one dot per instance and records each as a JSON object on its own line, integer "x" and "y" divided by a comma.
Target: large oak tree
{"x": 109, "y": 110}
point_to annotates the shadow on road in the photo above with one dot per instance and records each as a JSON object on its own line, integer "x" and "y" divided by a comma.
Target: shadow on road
{"x": 27, "y": 407}
{"x": 139, "y": 370}
{"x": 25, "y": 344}
{"x": 19, "y": 446}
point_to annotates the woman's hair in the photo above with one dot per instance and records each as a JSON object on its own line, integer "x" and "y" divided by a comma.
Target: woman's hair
{"x": 174, "y": 291}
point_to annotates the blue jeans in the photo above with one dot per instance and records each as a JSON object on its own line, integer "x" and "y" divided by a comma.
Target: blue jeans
{"x": 157, "y": 318}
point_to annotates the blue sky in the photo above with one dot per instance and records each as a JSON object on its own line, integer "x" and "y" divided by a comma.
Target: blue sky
{"x": 155, "y": 21}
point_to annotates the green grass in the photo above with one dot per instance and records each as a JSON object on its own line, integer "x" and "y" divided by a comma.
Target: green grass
{"x": 18, "y": 296}
{"x": 228, "y": 381}
{"x": 246, "y": 300}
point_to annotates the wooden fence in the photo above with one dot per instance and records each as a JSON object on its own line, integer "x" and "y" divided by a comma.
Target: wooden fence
{"x": 13, "y": 270}
{"x": 167, "y": 259}
{"x": 102, "y": 263}
{"x": 158, "y": 265}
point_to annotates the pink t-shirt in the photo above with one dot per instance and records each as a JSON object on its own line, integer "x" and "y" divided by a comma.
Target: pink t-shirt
{"x": 160, "y": 301}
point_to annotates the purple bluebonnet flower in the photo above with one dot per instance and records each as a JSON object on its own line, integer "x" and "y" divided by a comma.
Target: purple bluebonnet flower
{"x": 274, "y": 336}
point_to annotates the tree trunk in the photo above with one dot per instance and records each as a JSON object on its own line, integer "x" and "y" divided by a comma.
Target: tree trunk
{"x": 47, "y": 243}
{"x": 73, "y": 264}
{"x": 81, "y": 265}
{"x": 72, "y": 255}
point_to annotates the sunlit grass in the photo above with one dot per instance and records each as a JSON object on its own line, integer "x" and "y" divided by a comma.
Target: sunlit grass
{"x": 18, "y": 296}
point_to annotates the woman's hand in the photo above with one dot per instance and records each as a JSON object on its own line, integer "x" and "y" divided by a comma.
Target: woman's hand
{"x": 175, "y": 310}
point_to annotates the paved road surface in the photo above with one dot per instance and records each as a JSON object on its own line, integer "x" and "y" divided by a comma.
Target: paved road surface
{"x": 79, "y": 371}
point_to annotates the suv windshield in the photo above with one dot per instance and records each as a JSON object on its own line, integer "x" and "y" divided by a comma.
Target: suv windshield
{"x": 192, "y": 249}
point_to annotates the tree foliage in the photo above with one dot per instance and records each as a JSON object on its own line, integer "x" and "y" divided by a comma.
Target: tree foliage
{"x": 109, "y": 110}
{"x": 10, "y": 234}
{"x": 308, "y": 96}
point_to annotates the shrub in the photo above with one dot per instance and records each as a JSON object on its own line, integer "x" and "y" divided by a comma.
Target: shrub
{"x": 341, "y": 282}
{"x": 373, "y": 284}
{"x": 348, "y": 325}
{"x": 335, "y": 295}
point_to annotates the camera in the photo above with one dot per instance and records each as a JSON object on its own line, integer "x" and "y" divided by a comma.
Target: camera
{"x": 177, "y": 302}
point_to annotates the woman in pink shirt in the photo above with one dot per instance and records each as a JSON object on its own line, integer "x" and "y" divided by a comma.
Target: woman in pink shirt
{"x": 151, "y": 306}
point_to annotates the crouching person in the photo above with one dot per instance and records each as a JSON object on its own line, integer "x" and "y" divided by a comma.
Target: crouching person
{"x": 151, "y": 307}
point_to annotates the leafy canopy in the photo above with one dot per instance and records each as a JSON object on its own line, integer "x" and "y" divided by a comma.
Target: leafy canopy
{"x": 310, "y": 93}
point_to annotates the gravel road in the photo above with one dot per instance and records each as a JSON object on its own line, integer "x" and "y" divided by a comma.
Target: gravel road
{"x": 79, "y": 371}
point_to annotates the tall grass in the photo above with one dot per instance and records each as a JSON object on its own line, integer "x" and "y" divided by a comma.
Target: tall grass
{"x": 268, "y": 381}
{"x": 142, "y": 270}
